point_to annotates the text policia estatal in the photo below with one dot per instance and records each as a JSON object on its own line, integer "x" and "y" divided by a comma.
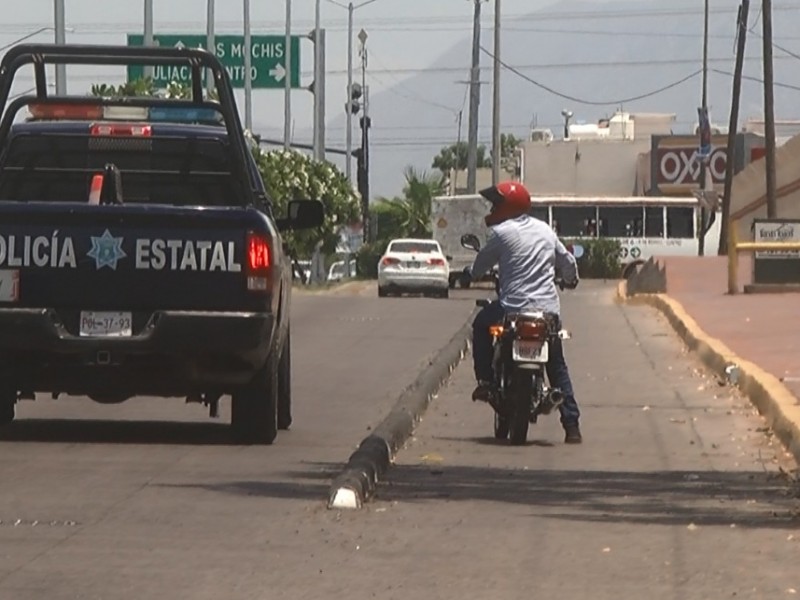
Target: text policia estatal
{"x": 59, "y": 252}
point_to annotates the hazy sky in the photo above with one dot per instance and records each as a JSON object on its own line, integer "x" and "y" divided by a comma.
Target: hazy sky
{"x": 402, "y": 34}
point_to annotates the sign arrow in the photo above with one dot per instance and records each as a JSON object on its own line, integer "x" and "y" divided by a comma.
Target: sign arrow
{"x": 180, "y": 45}
{"x": 278, "y": 72}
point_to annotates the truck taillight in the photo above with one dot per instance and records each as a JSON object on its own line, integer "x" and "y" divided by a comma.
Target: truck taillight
{"x": 259, "y": 261}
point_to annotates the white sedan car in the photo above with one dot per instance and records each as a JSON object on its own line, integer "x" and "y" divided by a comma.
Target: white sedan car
{"x": 413, "y": 266}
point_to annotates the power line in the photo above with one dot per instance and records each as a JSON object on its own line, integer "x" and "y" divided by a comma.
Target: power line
{"x": 593, "y": 102}
{"x": 788, "y": 86}
{"x": 538, "y": 16}
{"x": 411, "y": 94}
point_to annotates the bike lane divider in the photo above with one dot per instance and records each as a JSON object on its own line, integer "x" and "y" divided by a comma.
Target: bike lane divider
{"x": 357, "y": 482}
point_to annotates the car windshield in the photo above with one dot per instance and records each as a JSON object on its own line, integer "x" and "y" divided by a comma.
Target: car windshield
{"x": 414, "y": 247}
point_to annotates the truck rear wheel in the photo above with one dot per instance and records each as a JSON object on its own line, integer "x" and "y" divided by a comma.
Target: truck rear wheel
{"x": 8, "y": 400}
{"x": 285, "y": 385}
{"x": 254, "y": 410}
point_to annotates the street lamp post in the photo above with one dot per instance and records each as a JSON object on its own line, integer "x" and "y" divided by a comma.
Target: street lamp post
{"x": 351, "y": 8}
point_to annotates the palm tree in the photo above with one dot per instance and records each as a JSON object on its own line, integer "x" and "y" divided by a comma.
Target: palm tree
{"x": 418, "y": 195}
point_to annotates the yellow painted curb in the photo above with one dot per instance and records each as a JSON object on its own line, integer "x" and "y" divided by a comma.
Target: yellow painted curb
{"x": 772, "y": 399}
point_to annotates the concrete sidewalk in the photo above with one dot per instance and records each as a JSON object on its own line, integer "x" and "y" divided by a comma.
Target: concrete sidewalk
{"x": 759, "y": 334}
{"x": 674, "y": 493}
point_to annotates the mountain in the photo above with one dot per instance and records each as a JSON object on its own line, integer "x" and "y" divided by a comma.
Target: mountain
{"x": 596, "y": 53}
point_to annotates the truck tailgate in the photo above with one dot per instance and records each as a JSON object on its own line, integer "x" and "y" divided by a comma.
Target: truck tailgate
{"x": 132, "y": 258}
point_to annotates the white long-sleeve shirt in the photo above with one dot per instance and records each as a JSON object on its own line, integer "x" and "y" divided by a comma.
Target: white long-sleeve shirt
{"x": 529, "y": 254}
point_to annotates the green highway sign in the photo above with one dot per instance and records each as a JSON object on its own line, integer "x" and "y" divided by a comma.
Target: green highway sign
{"x": 267, "y": 63}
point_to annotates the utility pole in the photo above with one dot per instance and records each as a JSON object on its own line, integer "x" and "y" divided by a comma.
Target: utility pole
{"x": 704, "y": 158}
{"x": 148, "y": 32}
{"x": 474, "y": 101}
{"x": 318, "y": 37}
{"x": 741, "y": 24}
{"x": 769, "y": 111}
{"x": 210, "y": 43}
{"x": 61, "y": 38}
{"x": 458, "y": 147}
{"x": 287, "y": 90}
{"x": 348, "y": 160}
{"x": 496, "y": 139}
{"x": 366, "y": 123}
{"x": 248, "y": 75}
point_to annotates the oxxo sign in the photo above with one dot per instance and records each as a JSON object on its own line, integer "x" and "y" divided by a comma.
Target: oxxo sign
{"x": 681, "y": 166}
{"x": 676, "y": 163}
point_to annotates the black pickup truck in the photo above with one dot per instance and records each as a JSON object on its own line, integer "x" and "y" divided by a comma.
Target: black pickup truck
{"x": 139, "y": 253}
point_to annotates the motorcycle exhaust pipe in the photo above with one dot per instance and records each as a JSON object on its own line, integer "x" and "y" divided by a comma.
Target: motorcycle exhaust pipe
{"x": 552, "y": 400}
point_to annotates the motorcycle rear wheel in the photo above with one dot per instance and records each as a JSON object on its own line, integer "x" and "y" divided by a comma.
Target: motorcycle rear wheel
{"x": 520, "y": 395}
{"x": 501, "y": 427}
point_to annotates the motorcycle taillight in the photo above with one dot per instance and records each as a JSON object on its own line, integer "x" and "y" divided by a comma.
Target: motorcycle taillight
{"x": 531, "y": 330}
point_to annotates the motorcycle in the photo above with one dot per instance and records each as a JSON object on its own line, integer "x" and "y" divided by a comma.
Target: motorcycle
{"x": 521, "y": 346}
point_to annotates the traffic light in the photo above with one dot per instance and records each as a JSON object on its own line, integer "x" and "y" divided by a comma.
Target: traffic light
{"x": 354, "y": 104}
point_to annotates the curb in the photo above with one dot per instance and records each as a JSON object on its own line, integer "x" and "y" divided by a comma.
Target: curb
{"x": 772, "y": 399}
{"x": 357, "y": 482}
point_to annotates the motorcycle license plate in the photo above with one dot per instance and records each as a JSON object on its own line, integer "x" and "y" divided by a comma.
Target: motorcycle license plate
{"x": 528, "y": 351}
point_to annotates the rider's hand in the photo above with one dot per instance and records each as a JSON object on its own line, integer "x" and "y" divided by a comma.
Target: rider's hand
{"x": 467, "y": 272}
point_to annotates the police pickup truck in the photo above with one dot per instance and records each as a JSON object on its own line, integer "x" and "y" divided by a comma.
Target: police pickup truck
{"x": 139, "y": 254}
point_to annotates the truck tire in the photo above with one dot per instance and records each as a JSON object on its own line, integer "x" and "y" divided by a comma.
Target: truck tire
{"x": 8, "y": 400}
{"x": 254, "y": 409}
{"x": 285, "y": 385}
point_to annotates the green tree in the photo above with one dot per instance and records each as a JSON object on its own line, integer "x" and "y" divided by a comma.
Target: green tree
{"x": 410, "y": 215}
{"x": 455, "y": 157}
{"x": 290, "y": 175}
{"x": 145, "y": 87}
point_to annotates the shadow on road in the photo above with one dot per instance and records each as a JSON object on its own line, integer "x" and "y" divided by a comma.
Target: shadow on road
{"x": 750, "y": 499}
{"x": 116, "y": 432}
{"x": 492, "y": 441}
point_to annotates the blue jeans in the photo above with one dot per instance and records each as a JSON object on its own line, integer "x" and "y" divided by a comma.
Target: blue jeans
{"x": 557, "y": 371}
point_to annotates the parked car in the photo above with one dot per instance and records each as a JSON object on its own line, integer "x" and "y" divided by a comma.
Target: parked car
{"x": 338, "y": 270}
{"x": 414, "y": 266}
{"x": 301, "y": 271}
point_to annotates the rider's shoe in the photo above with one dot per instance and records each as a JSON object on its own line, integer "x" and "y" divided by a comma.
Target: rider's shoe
{"x": 573, "y": 434}
{"x": 485, "y": 392}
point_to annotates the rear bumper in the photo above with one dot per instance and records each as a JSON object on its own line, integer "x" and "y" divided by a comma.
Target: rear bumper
{"x": 171, "y": 353}
{"x": 438, "y": 281}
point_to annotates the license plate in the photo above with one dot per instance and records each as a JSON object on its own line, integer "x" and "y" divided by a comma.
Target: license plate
{"x": 9, "y": 285}
{"x": 106, "y": 324}
{"x": 528, "y": 351}
{"x": 413, "y": 264}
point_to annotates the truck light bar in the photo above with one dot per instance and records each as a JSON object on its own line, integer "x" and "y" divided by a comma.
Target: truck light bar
{"x": 164, "y": 114}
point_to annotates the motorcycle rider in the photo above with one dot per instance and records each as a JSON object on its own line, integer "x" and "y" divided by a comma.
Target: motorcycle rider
{"x": 529, "y": 255}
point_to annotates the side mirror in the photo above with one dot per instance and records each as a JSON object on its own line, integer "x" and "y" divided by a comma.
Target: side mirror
{"x": 578, "y": 251}
{"x": 448, "y": 257}
{"x": 470, "y": 241}
{"x": 303, "y": 214}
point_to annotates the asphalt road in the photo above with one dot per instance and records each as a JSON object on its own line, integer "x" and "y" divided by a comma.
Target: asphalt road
{"x": 675, "y": 493}
{"x": 149, "y": 500}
